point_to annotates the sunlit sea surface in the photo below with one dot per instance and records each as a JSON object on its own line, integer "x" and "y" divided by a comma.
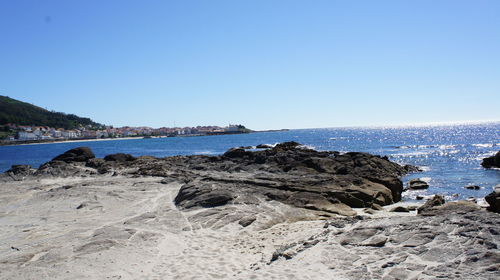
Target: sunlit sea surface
{"x": 449, "y": 155}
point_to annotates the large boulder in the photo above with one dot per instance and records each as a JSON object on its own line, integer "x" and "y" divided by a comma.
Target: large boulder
{"x": 70, "y": 163}
{"x": 428, "y": 206}
{"x": 493, "y": 200}
{"x": 237, "y": 153}
{"x": 20, "y": 169}
{"x": 417, "y": 184}
{"x": 461, "y": 207}
{"x": 120, "y": 157}
{"x": 493, "y": 161}
{"x": 80, "y": 154}
{"x": 18, "y": 172}
{"x": 289, "y": 173}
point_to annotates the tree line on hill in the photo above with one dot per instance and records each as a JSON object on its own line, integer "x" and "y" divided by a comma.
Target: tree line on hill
{"x": 16, "y": 112}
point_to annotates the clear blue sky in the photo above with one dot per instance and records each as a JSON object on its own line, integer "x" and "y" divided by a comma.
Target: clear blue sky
{"x": 265, "y": 64}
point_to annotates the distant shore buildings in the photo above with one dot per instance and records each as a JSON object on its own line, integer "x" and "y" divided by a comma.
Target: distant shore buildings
{"x": 35, "y": 133}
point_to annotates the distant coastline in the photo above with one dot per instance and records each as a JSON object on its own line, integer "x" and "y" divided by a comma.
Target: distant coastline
{"x": 77, "y": 140}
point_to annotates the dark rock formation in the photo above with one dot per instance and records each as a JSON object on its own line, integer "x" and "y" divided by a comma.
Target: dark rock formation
{"x": 247, "y": 221}
{"x": 237, "y": 153}
{"x": 472, "y": 187}
{"x": 290, "y": 173}
{"x": 437, "y": 200}
{"x": 493, "y": 200}
{"x": 80, "y": 154}
{"x": 120, "y": 157}
{"x": 400, "y": 209}
{"x": 63, "y": 169}
{"x": 493, "y": 161}
{"x": 417, "y": 184}
{"x": 461, "y": 207}
{"x": 20, "y": 169}
{"x": 19, "y": 172}
{"x": 328, "y": 182}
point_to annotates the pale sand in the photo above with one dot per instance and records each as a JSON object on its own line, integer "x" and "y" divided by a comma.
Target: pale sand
{"x": 129, "y": 228}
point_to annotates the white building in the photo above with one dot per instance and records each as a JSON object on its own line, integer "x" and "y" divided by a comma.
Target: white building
{"x": 69, "y": 134}
{"x": 25, "y": 135}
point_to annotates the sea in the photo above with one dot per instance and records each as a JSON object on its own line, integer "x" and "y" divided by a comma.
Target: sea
{"x": 449, "y": 155}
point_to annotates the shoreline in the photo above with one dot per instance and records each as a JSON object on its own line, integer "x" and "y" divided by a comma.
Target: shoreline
{"x": 188, "y": 222}
{"x": 56, "y": 141}
{"x": 69, "y": 141}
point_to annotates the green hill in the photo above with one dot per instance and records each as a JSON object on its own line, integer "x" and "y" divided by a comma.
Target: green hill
{"x": 22, "y": 113}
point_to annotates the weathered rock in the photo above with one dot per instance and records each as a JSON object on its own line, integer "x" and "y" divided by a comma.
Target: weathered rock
{"x": 201, "y": 195}
{"x": 461, "y": 207}
{"x": 237, "y": 153}
{"x": 287, "y": 146}
{"x": 412, "y": 168}
{"x": 95, "y": 163}
{"x": 264, "y": 146}
{"x": 80, "y": 154}
{"x": 292, "y": 174}
{"x": 20, "y": 170}
{"x": 493, "y": 200}
{"x": 63, "y": 169}
{"x": 17, "y": 173}
{"x": 400, "y": 209}
{"x": 437, "y": 200}
{"x": 327, "y": 182}
{"x": 120, "y": 157}
{"x": 417, "y": 184}
{"x": 376, "y": 207}
{"x": 493, "y": 161}
{"x": 247, "y": 221}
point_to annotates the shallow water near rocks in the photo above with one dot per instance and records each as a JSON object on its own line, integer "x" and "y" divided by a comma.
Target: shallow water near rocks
{"x": 449, "y": 155}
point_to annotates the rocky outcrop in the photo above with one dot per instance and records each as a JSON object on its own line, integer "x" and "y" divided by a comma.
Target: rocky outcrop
{"x": 120, "y": 157}
{"x": 472, "y": 187}
{"x": 459, "y": 241}
{"x": 493, "y": 161}
{"x": 493, "y": 200}
{"x": 80, "y": 154}
{"x": 264, "y": 146}
{"x": 293, "y": 174}
{"x": 20, "y": 169}
{"x": 417, "y": 184}
{"x": 437, "y": 200}
{"x": 327, "y": 182}
{"x": 19, "y": 172}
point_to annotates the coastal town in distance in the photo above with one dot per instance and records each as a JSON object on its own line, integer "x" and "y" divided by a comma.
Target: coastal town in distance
{"x": 26, "y": 133}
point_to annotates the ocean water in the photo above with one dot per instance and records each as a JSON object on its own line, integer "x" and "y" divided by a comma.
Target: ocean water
{"x": 449, "y": 155}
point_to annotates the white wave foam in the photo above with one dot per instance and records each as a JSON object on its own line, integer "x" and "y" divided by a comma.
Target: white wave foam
{"x": 446, "y": 147}
{"x": 425, "y": 168}
{"x": 426, "y": 179}
{"x": 413, "y": 154}
{"x": 205, "y": 153}
{"x": 483, "y": 145}
{"x": 440, "y": 146}
{"x": 307, "y": 147}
